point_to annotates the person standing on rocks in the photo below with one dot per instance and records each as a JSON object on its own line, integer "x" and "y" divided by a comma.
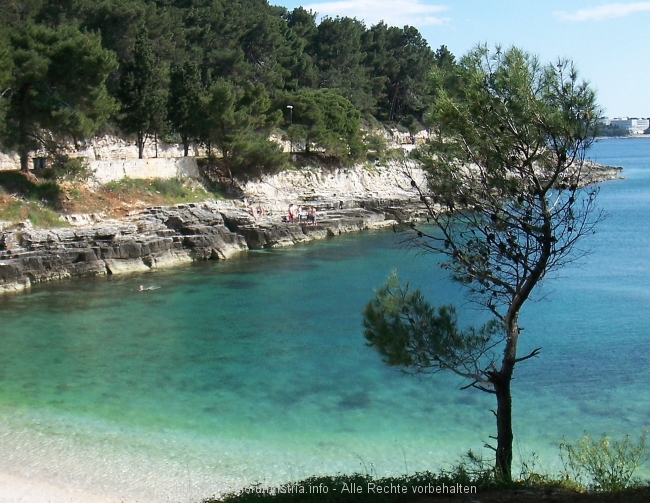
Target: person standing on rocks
{"x": 311, "y": 216}
{"x": 291, "y": 213}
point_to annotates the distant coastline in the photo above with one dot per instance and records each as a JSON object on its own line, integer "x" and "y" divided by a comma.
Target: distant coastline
{"x": 629, "y": 137}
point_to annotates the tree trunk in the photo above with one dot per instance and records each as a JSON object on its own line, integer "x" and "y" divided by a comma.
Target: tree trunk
{"x": 141, "y": 140}
{"x": 503, "y": 377}
{"x": 503, "y": 463}
{"x": 23, "y": 150}
{"x": 186, "y": 145}
{"x": 24, "y": 160}
{"x": 502, "y": 380}
{"x": 393, "y": 103}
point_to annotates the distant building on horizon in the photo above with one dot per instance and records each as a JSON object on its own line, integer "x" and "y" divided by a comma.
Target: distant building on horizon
{"x": 634, "y": 125}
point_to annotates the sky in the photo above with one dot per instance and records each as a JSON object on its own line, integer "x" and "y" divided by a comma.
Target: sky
{"x": 606, "y": 40}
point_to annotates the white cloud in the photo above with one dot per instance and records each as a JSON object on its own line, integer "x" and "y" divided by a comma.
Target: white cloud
{"x": 607, "y": 11}
{"x": 400, "y": 13}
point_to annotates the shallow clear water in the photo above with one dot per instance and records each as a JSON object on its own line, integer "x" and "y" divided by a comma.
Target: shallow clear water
{"x": 255, "y": 369}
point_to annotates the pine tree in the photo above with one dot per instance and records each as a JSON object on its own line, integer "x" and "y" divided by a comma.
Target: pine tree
{"x": 185, "y": 91}
{"x": 143, "y": 93}
{"x": 507, "y": 195}
{"x": 58, "y": 90}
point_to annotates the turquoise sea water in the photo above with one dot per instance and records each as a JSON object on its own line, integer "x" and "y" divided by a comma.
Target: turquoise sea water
{"x": 255, "y": 369}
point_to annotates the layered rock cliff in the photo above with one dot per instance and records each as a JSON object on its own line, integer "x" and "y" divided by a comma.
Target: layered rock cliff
{"x": 158, "y": 237}
{"x": 345, "y": 200}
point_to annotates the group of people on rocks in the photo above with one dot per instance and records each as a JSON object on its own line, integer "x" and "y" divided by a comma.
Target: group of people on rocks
{"x": 297, "y": 212}
{"x": 256, "y": 212}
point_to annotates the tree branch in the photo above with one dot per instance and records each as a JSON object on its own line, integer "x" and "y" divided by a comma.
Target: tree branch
{"x": 532, "y": 354}
{"x": 478, "y": 386}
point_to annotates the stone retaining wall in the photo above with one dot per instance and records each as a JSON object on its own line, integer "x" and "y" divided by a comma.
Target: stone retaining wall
{"x": 109, "y": 171}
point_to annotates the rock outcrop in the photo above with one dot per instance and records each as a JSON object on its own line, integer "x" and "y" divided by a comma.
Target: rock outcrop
{"x": 356, "y": 186}
{"x": 159, "y": 237}
{"x": 345, "y": 200}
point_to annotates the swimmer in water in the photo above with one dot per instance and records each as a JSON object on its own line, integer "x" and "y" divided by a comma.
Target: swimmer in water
{"x": 143, "y": 289}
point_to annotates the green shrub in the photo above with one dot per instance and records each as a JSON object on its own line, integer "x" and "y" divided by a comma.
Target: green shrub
{"x": 70, "y": 169}
{"x": 126, "y": 184}
{"x": 476, "y": 467}
{"x": 376, "y": 146}
{"x": 603, "y": 464}
{"x": 170, "y": 187}
{"x": 253, "y": 157}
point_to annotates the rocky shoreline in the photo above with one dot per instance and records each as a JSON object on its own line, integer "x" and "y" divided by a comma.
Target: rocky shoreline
{"x": 347, "y": 200}
{"x": 161, "y": 237}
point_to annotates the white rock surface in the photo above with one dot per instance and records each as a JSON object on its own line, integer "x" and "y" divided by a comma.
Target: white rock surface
{"x": 350, "y": 185}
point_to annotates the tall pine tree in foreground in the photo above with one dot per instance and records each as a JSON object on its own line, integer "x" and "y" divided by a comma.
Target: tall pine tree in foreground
{"x": 508, "y": 196}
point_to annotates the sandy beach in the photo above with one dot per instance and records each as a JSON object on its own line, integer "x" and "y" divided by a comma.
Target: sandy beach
{"x": 26, "y": 490}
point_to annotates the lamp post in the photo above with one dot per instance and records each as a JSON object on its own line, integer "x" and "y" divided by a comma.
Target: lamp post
{"x": 290, "y": 107}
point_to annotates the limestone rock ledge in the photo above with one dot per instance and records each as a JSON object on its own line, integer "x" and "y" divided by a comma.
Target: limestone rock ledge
{"x": 159, "y": 237}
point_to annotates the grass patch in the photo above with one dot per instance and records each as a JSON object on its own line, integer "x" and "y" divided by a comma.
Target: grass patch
{"x": 42, "y": 200}
{"x": 358, "y": 488}
{"x": 127, "y": 185}
{"x": 26, "y": 197}
{"x": 29, "y": 187}
{"x": 470, "y": 476}
{"x": 157, "y": 191}
{"x": 355, "y": 488}
{"x": 171, "y": 188}
{"x": 37, "y": 214}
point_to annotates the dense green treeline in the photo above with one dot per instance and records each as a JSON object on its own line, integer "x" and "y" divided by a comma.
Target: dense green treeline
{"x": 612, "y": 130}
{"x": 220, "y": 73}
